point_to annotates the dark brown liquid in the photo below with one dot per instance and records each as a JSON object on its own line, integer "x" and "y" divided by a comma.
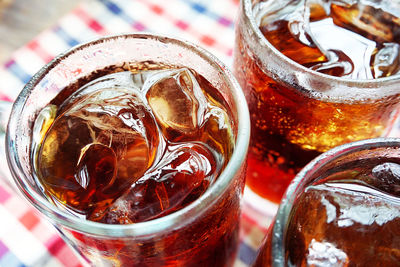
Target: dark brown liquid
{"x": 290, "y": 128}
{"x": 132, "y": 146}
{"x": 350, "y": 218}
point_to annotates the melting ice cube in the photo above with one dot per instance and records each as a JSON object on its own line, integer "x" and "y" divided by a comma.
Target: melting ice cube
{"x": 96, "y": 165}
{"x": 80, "y": 152}
{"x": 388, "y": 175}
{"x": 387, "y": 60}
{"x": 182, "y": 176}
{"x": 177, "y": 101}
{"x": 325, "y": 254}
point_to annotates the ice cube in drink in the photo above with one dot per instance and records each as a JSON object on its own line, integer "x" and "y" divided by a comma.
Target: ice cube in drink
{"x": 355, "y": 39}
{"x": 130, "y": 147}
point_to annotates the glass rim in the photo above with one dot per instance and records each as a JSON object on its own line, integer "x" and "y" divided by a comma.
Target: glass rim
{"x": 301, "y": 179}
{"x": 247, "y": 8}
{"x": 170, "y": 221}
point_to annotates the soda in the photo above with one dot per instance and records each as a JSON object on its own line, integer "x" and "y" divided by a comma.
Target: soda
{"x": 354, "y": 40}
{"x": 349, "y": 216}
{"x": 132, "y": 144}
{"x": 297, "y": 114}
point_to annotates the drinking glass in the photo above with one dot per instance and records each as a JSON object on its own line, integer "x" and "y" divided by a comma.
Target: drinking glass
{"x": 297, "y": 113}
{"x": 203, "y": 233}
{"x": 354, "y": 221}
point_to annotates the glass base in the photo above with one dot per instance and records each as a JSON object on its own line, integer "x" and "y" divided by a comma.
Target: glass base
{"x": 260, "y": 206}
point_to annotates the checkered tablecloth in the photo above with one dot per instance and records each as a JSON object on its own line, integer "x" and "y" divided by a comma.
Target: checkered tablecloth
{"x": 25, "y": 238}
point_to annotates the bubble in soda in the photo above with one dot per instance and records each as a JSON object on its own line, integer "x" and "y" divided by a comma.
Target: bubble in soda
{"x": 352, "y": 39}
{"x": 132, "y": 146}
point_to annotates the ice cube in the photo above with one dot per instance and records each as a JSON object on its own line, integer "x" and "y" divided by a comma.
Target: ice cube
{"x": 177, "y": 101}
{"x": 387, "y": 60}
{"x": 127, "y": 80}
{"x": 185, "y": 170}
{"x": 218, "y": 134}
{"x": 338, "y": 64}
{"x": 351, "y": 51}
{"x": 388, "y": 175}
{"x": 268, "y": 12}
{"x": 118, "y": 118}
{"x": 325, "y": 254}
{"x": 80, "y": 150}
{"x": 96, "y": 167}
{"x": 299, "y": 25}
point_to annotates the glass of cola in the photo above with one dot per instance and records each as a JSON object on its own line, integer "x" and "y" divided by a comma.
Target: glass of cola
{"x": 316, "y": 74}
{"x": 342, "y": 209}
{"x": 134, "y": 147}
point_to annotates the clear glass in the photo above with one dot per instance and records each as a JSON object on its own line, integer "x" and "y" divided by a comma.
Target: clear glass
{"x": 182, "y": 238}
{"x": 273, "y": 251}
{"x": 297, "y": 113}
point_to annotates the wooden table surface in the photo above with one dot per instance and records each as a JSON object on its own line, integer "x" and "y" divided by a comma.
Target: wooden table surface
{"x": 22, "y": 20}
